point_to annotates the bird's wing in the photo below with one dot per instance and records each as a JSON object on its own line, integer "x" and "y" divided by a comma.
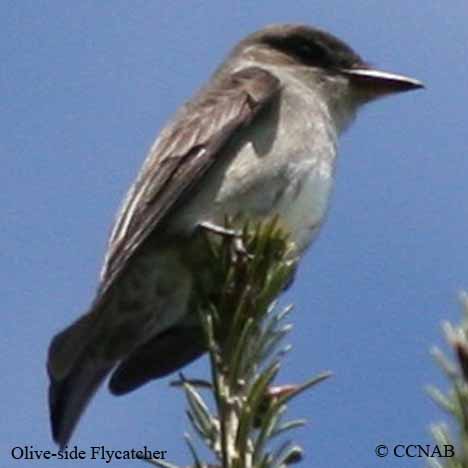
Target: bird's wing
{"x": 181, "y": 156}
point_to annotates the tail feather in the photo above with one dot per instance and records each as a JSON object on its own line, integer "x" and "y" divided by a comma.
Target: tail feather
{"x": 76, "y": 371}
{"x": 160, "y": 356}
{"x": 75, "y": 374}
{"x": 68, "y": 345}
{"x": 69, "y": 397}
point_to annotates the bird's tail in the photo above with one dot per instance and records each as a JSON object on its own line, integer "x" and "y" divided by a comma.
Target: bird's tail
{"x": 75, "y": 374}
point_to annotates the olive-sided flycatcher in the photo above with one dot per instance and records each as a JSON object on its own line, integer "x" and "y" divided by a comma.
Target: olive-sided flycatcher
{"x": 260, "y": 138}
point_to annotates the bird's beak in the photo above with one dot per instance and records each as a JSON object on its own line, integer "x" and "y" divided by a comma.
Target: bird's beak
{"x": 376, "y": 83}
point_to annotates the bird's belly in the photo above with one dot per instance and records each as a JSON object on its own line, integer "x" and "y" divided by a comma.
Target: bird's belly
{"x": 298, "y": 192}
{"x": 304, "y": 204}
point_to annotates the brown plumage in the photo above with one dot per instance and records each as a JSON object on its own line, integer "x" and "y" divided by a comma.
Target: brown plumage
{"x": 259, "y": 139}
{"x": 82, "y": 356}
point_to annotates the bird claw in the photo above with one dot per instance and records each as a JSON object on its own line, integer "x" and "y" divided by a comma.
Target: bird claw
{"x": 238, "y": 246}
{"x": 240, "y": 249}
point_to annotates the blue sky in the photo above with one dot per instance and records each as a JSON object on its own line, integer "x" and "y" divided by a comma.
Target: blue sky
{"x": 85, "y": 87}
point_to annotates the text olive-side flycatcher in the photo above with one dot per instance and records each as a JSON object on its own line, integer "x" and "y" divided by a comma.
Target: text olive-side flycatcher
{"x": 260, "y": 138}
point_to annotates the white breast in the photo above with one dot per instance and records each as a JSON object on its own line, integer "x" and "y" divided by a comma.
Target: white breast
{"x": 304, "y": 203}
{"x": 282, "y": 164}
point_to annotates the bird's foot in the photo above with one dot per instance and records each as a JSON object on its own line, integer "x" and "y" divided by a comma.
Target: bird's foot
{"x": 239, "y": 249}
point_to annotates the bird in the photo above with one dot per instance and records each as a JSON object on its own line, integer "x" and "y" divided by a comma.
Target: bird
{"x": 259, "y": 138}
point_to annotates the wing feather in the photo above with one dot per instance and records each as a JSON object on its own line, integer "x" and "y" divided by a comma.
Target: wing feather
{"x": 183, "y": 153}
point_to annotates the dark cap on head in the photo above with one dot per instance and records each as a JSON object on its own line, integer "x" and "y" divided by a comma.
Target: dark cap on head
{"x": 290, "y": 44}
{"x": 306, "y": 45}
